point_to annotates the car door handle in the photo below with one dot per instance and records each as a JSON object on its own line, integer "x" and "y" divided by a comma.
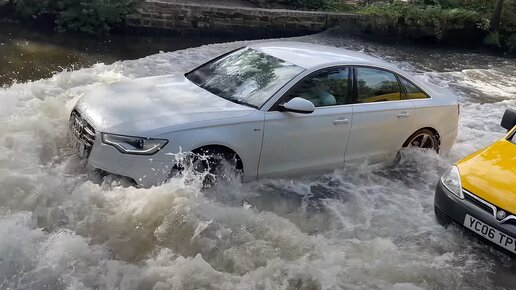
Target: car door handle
{"x": 403, "y": 115}
{"x": 340, "y": 121}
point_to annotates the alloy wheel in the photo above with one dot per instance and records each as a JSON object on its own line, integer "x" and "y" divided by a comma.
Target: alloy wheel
{"x": 423, "y": 140}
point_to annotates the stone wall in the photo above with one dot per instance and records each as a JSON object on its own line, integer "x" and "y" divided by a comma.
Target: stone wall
{"x": 158, "y": 14}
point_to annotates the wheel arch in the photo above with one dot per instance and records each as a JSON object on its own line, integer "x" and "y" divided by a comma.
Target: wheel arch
{"x": 221, "y": 149}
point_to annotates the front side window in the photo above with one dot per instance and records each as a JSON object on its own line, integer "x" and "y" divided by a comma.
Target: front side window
{"x": 375, "y": 85}
{"x": 246, "y": 76}
{"x": 328, "y": 87}
{"x": 413, "y": 92}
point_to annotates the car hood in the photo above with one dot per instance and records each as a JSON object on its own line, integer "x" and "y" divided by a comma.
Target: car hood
{"x": 491, "y": 174}
{"x": 141, "y": 105}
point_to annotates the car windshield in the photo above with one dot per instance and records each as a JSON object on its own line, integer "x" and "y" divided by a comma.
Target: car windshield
{"x": 246, "y": 76}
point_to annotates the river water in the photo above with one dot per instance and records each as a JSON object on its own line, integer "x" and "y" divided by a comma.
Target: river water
{"x": 30, "y": 54}
{"x": 360, "y": 227}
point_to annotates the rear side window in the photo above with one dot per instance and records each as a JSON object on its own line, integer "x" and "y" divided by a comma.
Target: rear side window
{"x": 376, "y": 85}
{"x": 413, "y": 92}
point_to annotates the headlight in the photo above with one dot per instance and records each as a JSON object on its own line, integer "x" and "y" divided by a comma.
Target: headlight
{"x": 451, "y": 180}
{"x": 134, "y": 145}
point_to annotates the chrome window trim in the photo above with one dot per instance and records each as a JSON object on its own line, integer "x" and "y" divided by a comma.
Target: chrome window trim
{"x": 493, "y": 207}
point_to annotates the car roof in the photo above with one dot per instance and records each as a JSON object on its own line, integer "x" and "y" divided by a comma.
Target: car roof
{"x": 308, "y": 55}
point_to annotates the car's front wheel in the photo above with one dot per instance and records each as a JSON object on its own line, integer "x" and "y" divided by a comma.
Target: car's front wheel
{"x": 216, "y": 164}
{"x": 423, "y": 138}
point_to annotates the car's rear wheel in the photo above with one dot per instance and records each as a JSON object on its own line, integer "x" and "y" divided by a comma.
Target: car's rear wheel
{"x": 423, "y": 138}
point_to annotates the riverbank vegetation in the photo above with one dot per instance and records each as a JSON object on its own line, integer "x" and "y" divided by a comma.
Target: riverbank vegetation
{"x": 92, "y": 17}
{"x": 460, "y": 22}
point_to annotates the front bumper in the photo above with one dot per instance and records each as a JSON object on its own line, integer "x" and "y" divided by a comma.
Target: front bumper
{"x": 145, "y": 170}
{"x": 451, "y": 209}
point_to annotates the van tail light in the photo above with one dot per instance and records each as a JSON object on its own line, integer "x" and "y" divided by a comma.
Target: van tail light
{"x": 458, "y": 109}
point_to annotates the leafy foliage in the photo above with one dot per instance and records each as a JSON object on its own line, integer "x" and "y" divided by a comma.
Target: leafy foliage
{"x": 92, "y": 16}
{"x": 511, "y": 43}
{"x": 445, "y": 18}
{"x": 30, "y": 8}
{"x": 441, "y": 19}
{"x": 433, "y": 16}
{"x": 493, "y": 39}
{"x": 315, "y": 4}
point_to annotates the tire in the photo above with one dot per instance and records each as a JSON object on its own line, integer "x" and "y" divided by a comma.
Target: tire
{"x": 217, "y": 165}
{"x": 423, "y": 138}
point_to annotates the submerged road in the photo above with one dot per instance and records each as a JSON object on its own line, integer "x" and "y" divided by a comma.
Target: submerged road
{"x": 360, "y": 227}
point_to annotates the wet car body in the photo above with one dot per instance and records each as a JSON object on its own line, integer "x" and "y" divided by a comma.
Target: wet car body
{"x": 180, "y": 113}
{"x": 483, "y": 198}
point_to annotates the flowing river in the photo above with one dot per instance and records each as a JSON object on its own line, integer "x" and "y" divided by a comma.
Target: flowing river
{"x": 361, "y": 227}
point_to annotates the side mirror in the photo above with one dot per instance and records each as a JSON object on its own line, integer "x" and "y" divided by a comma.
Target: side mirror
{"x": 509, "y": 119}
{"x": 298, "y": 105}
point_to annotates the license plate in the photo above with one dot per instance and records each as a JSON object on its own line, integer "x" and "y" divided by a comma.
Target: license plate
{"x": 503, "y": 240}
{"x": 78, "y": 147}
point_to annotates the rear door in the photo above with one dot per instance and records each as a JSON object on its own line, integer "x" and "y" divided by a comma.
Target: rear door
{"x": 382, "y": 117}
{"x": 294, "y": 143}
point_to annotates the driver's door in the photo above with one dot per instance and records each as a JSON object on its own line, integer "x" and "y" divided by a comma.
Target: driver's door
{"x": 294, "y": 143}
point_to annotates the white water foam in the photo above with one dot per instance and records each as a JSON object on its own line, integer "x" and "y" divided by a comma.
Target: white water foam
{"x": 358, "y": 228}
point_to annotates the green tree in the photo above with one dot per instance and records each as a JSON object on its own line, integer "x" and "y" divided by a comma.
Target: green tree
{"x": 92, "y": 16}
{"x": 495, "y": 20}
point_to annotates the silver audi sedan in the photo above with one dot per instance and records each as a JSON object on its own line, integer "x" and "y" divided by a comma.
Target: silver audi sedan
{"x": 273, "y": 108}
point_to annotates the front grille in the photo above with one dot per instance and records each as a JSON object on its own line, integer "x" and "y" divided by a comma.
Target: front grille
{"x": 490, "y": 208}
{"x": 478, "y": 203}
{"x": 83, "y": 132}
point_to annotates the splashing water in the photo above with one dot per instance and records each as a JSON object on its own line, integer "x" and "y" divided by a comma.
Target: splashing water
{"x": 359, "y": 227}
